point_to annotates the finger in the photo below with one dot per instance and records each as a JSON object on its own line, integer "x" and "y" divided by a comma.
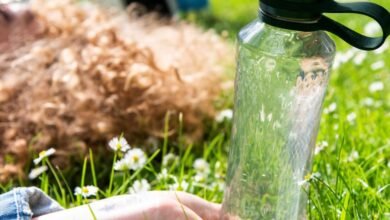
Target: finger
{"x": 184, "y": 213}
{"x": 153, "y": 205}
{"x": 172, "y": 210}
{"x": 205, "y": 209}
{"x": 142, "y": 206}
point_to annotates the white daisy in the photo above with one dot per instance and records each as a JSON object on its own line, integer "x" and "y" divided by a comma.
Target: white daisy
{"x": 219, "y": 174}
{"x": 376, "y": 86}
{"x": 331, "y": 108}
{"x": 139, "y": 186}
{"x": 136, "y": 158}
{"x": 163, "y": 175}
{"x": 368, "y": 101}
{"x": 322, "y": 145}
{"x": 220, "y": 185}
{"x": 377, "y": 65}
{"x": 170, "y": 159}
{"x": 43, "y": 154}
{"x": 337, "y": 61}
{"x": 224, "y": 114}
{"x": 353, "y": 156}
{"x": 351, "y": 117}
{"x": 182, "y": 186}
{"x": 308, "y": 178}
{"x": 122, "y": 165}
{"x": 153, "y": 142}
{"x": 34, "y": 173}
{"x": 360, "y": 57}
{"x": 350, "y": 53}
{"x": 341, "y": 58}
{"x": 200, "y": 177}
{"x": 86, "y": 191}
{"x": 201, "y": 166}
{"x": 119, "y": 144}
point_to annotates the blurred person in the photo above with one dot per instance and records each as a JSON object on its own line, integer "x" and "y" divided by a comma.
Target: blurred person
{"x": 17, "y": 23}
{"x": 170, "y": 7}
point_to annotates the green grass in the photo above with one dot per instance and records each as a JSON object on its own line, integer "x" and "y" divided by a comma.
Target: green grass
{"x": 354, "y": 168}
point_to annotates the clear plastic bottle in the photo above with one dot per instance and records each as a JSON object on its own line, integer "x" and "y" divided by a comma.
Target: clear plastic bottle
{"x": 280, "y": 85}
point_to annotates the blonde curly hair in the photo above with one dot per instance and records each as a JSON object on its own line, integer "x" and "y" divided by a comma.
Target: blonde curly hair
{"x": 91, "y": 73}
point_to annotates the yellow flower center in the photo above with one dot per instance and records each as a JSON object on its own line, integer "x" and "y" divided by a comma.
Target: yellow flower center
{"x": 85, "y": 190}
{"x": 118, "y": 146}
{"x": 135, "y": 158}
{"x": 308, "y": 176}
{"x": 42, "y": 154}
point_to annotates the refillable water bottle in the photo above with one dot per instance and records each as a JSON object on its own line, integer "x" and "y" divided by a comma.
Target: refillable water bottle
{"x": 283, "y": 67}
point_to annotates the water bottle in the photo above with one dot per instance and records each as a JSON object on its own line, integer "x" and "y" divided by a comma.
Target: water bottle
{"x": 283, "y": 66}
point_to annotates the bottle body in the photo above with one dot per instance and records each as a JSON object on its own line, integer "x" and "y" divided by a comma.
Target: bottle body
{"x": 280, "y": 84}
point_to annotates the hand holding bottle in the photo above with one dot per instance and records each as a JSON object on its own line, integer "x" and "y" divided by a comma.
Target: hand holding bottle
{"x": 152, "y": 205}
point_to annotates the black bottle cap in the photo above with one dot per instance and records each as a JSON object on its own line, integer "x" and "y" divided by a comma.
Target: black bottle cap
{"x": 307, "y": 15}
{"x": 282, "y": 9}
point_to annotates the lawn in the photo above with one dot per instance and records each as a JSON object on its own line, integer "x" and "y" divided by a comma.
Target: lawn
{"x": 352, "y": 161}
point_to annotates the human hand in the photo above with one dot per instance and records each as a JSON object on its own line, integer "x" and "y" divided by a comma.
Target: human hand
{"x": 154, "y": 205}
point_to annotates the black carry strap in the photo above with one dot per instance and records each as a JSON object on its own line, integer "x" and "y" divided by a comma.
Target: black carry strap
{"x": 271, "y": 10}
